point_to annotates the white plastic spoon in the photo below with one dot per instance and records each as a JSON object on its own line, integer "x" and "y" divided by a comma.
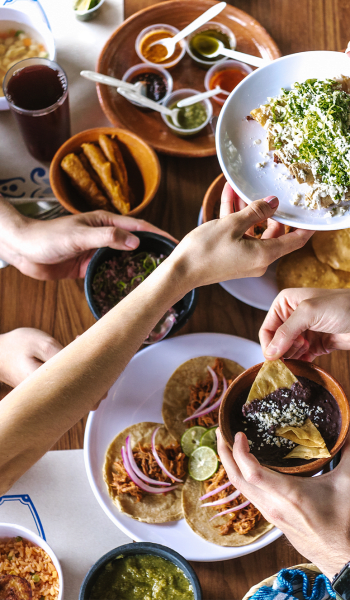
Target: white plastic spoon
{"x": 147, "y": 103}
{"x": 100, "y": 78}
{"x": 256, "y": 61}
{"x": 203, "y": 96}
{"x": 170, "y": 43}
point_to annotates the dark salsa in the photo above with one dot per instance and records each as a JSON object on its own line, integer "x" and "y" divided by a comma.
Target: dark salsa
{"x": 259, "y": 420}
{"x": 142, "y": 577}
{"x": 156, "y": 87}
{"x": 120, "y": 275}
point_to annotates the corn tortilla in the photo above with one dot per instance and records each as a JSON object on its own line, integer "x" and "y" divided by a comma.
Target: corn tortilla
{"x": 272, "y": 376}
{"x": 153, "y": 508}
{"x": 333, "y": 248}
{"x": 177, "y": 390}
{"x": 198, "y": 519}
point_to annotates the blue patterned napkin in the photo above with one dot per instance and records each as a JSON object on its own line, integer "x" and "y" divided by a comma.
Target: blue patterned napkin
{"x": 294, "y": 584}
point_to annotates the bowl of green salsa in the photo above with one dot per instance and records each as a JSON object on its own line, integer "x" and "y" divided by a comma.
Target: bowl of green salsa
{"x": 141, "y": 571}
{"x": 192, "y": 119}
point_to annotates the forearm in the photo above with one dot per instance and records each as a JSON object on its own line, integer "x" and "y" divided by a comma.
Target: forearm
{"x": 39, "y": 411}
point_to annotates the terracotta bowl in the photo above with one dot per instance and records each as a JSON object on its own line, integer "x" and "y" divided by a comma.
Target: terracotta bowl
{"x": 212, "y": 199}
{"x": 141, "y": 162}
{"x": 298, "y": 368}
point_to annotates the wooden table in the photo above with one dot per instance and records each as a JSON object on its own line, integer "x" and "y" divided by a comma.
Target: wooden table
{"x": 60, "y": 307}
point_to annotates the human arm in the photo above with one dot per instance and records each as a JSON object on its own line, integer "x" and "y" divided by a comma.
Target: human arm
{"x": 60, "y": 392}
{"x": 313, "y": 513}
{"x": 63, "y": 247}
{"x": 306, "y": 322}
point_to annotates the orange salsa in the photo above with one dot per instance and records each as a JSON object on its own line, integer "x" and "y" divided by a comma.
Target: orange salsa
{"x": 227, "y": 79}
{"x": 158, "y": 52}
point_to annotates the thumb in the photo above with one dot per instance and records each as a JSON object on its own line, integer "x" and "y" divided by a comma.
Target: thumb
{"x": 113, "y": 237}
{"x": 254, "y": 213}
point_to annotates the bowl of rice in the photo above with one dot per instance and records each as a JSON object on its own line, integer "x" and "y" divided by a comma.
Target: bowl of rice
{"x": 26, "y": 556}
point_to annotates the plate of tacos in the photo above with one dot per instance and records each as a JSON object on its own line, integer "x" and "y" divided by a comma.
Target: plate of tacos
{"x": 150, "y": 450}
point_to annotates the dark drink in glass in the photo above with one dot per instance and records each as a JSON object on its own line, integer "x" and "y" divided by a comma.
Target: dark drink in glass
{"x": 37, "y": 92}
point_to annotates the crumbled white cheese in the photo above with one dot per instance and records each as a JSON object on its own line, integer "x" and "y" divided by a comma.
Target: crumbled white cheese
{"x": 297, "y": 198}
{"x": 257, "y": 142}
{"x": 260, "y": 165}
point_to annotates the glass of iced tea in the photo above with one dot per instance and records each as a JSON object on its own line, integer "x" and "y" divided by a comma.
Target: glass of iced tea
{"x": 36, "y": 90}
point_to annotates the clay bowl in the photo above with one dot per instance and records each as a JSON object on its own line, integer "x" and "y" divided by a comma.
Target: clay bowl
{"x": 119, "y": 54}
{"x": 141, "y": 162}
{"x": 298, "y": 368}
{"x": 211, "y": 200}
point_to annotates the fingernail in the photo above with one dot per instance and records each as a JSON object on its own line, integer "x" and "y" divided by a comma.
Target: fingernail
{"x": 272, "y": 201}
{"x": 270, "y": 350}
{"x": 132, "y": 242}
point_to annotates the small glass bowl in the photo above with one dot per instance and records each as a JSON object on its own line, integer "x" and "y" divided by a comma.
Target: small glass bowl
{"x": 180, "y": 95}
{"x": 221, "y": 66}
{"x": 217, "y": 27}
{"x": 149, "y": 68}
{"x": 159, "y": 27}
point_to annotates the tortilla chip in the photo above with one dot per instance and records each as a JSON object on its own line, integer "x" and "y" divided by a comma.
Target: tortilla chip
{"x": 308, "y": 453}
{"x": 153, "y": 508}
{"x": 197, "y": 518}
{"x": 308, "y": 434}
{"x": 333, "y": 248}
{"x": 177, "y": 391}
{"x": 272, "y": 376}
{"x": 301, "y": 268}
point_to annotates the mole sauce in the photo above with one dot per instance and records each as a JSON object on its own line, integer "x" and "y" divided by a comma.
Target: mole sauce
{"x": 312, "y": 400}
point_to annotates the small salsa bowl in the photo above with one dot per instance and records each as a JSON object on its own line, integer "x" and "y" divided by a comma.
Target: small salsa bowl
{"x": 152, "y": 29}
{"x": 213, "y": 26}
{"x": 149, "y": 242}
{"x": 140, "y": 548}
{"x": 298, "y": 368}
{"x": 149, "y": 68}
{"x": 141, "y": 162}
{"x": 180, "y": 95}
{"x": 221, "y": 66}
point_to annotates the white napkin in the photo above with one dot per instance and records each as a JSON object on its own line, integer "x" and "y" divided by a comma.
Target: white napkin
{"x": 78, "y": 46}
{"x": 54, "y": 499}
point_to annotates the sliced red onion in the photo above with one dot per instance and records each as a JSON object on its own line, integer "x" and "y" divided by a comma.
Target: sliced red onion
{"x": 143, "y": 486}
{"x": 135, "y": 468}
{"x": 214, "y": 389}
{"x": 213, "y": 406}
{"x": 232, "y": 496}
{"x": 216, "y": 491}
{"x": 155, "y": 454}
{"x": 231, "y": 510}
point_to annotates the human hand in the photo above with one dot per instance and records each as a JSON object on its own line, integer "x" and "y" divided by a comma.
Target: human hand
{"x": 22, "y": 351}
{"x": 63, "y": 247}
{"x": 221, "y": 249}
{"x": 306, "y": 322}
{"x": 312, "y": 512}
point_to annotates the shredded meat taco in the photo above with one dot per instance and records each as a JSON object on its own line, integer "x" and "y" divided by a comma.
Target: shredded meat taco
{"x": 189, "y": 386}
{"x": 238, "y": 528}
{"x": 129, "y": 497}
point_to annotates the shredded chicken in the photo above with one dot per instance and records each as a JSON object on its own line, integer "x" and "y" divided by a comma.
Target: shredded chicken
{"x": 172, "y": 457}
{"x": 240, "y": 521}
{"x": 200, "y": 391}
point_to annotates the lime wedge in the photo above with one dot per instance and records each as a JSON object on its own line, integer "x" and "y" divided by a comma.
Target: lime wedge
{"x": 191, "y": 438}
{"x": 84, "y": 5}
{"x": 209, "y": 439}
{"x": 203, "y": 463}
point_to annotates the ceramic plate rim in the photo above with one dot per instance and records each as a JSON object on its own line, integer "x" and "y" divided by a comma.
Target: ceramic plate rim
{"x": 182, "y": 344}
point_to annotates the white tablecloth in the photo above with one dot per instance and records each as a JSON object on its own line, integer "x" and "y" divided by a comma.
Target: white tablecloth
{"x": 78, "y": 45}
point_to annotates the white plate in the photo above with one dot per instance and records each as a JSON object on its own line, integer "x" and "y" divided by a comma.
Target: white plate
{"x": 137, "y": 396}
{"x": 259, "y": 292}
{"x": 235, "y": 136}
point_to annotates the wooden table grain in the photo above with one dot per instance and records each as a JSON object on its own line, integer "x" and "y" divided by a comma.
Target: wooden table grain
{"x": 60, "y": 307}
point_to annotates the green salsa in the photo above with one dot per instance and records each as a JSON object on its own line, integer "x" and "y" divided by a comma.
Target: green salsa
{"x": 142, "y": 577}
{"x": 190, "y": 117}
{"x": 206, "y": 42}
